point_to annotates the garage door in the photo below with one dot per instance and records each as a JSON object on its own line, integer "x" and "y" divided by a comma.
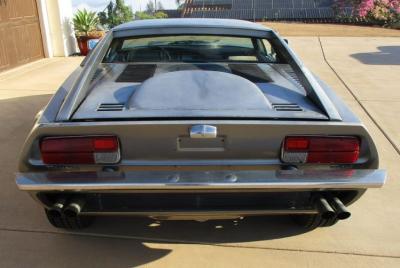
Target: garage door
{"x": 20, "y": 36}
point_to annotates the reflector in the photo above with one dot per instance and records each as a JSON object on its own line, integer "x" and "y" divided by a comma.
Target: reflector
{"x": 66, "y": 145}
{"x": 340, "y": 144}
{"x": 332, "y": 157}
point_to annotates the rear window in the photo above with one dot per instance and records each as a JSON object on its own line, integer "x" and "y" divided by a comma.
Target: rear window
{"x": 190, "y": 48}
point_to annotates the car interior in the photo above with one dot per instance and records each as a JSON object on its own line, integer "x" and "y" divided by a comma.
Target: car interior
{"x": 191, "y": 48}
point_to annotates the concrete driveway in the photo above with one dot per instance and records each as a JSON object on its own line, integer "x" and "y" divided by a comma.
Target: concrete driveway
{"x": 364, "y": 71}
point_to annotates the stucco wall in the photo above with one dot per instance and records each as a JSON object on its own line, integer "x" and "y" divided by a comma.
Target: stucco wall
{"x": 57, "y": 29}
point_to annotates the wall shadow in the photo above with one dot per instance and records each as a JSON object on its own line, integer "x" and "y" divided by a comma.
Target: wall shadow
{"x": 96, "y": 243}
{"x": 387, "y": 55}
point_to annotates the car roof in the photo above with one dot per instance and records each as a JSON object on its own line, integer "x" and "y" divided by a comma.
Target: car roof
{"x": 188, "y": 22}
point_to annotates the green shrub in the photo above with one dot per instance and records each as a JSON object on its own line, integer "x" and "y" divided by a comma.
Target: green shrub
{"x": 146, "y": 16}
{"x": 116, "y": 13}
{"x": 85, "y": 22}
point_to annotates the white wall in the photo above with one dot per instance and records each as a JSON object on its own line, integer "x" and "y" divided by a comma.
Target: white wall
{"x": 57, "y": 29}
{"x": 67, "y": 28}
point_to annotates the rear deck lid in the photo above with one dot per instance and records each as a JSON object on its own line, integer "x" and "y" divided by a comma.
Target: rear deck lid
{"x": 196, "y": 91}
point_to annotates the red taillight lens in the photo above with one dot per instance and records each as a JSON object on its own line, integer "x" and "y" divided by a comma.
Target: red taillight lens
{"x": 296, "y": 143}
{"x": 105, "y": 144}
{"x": 80, "y": 150}
{"x": 324, "y": 150}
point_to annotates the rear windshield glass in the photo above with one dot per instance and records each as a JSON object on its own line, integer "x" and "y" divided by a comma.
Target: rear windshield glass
{"x": 191, "y": 48}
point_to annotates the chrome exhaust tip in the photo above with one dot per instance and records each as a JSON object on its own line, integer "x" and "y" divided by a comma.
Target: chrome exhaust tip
{"x": 74, "y": 208}
{"x": 324, "y": 208}
{"x": 56, "y": 209}
{"x": 341, "y": 211}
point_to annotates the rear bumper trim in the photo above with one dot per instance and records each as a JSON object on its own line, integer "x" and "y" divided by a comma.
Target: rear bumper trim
{"x": 209, "y": 214}
{"x": 201, "y": 180}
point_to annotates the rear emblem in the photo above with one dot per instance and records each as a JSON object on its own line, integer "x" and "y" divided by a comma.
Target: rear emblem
{"x": 203, "y": 132}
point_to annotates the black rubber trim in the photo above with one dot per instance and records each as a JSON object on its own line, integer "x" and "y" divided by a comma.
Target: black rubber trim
{"x": 137, "y": 73}
{"x": 250, "y": 72}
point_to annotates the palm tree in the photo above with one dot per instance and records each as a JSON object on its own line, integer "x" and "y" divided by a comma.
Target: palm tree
{"x": 180, "y": 3}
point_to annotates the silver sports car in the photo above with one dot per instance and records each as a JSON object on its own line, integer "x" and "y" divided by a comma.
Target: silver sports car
{"x": 196, "y": 119}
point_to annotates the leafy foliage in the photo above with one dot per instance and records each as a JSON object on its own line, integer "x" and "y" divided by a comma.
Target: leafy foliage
{"x": 151, "y": 7}
{"x": 151, "y": 12}
{"x": 377, "y": 11}
{"x": 146, "y": 16}
{"x": 85, "y": 22}
{"x": 116, "y": 13}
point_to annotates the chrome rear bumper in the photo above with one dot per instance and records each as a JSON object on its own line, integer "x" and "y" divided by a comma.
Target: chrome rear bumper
{"x": 201, "y": 180}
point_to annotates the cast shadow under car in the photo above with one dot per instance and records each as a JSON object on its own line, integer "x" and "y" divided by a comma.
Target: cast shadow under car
{"x": 138, "y": 240}
{"x": 387, "y": 55}
{"x": 246, "y": 229}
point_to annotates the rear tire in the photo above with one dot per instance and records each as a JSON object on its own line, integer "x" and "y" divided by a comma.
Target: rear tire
{"x": 71, "y": 223}
{"x": 314, "y": 221}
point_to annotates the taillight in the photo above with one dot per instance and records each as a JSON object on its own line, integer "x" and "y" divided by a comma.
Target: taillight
{"x": 324, "y": 150}
{"x": 80, "y": 150}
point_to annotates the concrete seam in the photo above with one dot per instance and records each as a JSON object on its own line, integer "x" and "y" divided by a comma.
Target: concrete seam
{"x": 358, "y": 100}
{"x": 366, "y": 100}
{"x": 149, "y": 240}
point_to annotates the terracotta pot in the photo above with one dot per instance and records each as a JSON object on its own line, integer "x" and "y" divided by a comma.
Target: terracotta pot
{"x": 83, "y": 43}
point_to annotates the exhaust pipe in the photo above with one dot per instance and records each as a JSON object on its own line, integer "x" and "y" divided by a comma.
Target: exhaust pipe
{"x": 57, "y": 209}
{"x": 341, "y": 211}
{"x": 324, "y": 208}
{"x": 74, "y": 208}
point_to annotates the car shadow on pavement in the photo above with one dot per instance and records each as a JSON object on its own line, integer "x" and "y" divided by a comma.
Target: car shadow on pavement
{"x": 387, "y": 55}
{"x": 131, "y": 241}
{"x": 111, "y": 241}
{"x": 208, "y": 232}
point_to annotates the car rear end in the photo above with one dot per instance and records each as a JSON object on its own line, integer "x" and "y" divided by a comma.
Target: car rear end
{"x": 199, "y": 140}
{"x": 157, "y": 169}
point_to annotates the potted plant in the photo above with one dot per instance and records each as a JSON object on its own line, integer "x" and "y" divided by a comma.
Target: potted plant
{"x": 85, "y": 24}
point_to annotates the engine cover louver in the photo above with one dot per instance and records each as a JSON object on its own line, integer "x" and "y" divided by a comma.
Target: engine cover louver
{"x": 107, "y": 107}
{"x": 286, "y": 107}
{"x": 289, "y": 71}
